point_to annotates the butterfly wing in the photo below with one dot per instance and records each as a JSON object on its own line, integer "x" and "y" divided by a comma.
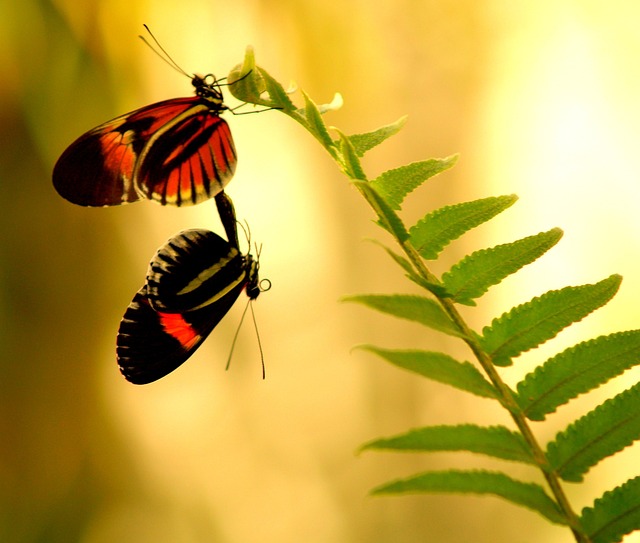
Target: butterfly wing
{"x": 192, "y": 282}
{"x": 176, "y": 152}
{"x": 193, "y": 269}
{"x": 151, "y": 344}
{"x": 97, "y": 168}
{"x": 189, "y": 161}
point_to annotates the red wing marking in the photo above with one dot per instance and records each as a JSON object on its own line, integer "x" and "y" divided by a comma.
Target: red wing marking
{"x": 175, "y": 325}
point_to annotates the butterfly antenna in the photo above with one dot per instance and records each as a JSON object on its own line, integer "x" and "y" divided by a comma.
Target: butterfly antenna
{"x": 247, "y": 231}
{"x": 255, "y": 325}
{"x": 164, "y": 56}
{"x": 235, "y": 337}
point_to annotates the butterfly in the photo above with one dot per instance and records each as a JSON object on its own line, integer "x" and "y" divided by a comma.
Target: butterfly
{"x": 192, "y": 282}
{"x": 176, "y": 152}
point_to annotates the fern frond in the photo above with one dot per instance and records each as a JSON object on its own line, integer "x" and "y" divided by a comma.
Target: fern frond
{"x": 438, "y": 367}
{"x": 577, "y": 370}
{"x": 398, "y": 259}
{"x": 250, "y": 82}
{"x": 528, "y": 325}
{"x": 315, "y": 123}
{"x": 411, "y": 273}
{"x": 364, "y": 142}
{"x": 615, "y": 514}
{"x": 440, "y": 227}
{"x": 529, "y": 495}
{"x": 394, "y": 185}
{"x": 387, "y": 217}
{"x": 607, "y": 429}
{"x": 604, "y": 431}
{"x": 473, "y": 275}
{"x": 413, "y": 308}
{"x": 277, "y": 94}
{"x": 350, "y": 161}
{"x": 496, "y": 441}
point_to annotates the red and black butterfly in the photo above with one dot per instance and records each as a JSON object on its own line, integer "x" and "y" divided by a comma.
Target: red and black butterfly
{"x": 192, "y": 282}
{"x": 175, "y": 152}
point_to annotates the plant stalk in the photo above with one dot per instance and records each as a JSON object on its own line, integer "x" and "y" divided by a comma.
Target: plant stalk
{"x": 506, "y": 398}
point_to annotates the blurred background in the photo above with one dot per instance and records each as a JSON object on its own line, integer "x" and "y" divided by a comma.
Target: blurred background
{"x": 541, "y": 100}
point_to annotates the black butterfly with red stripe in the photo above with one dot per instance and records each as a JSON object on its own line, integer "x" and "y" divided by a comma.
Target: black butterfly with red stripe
{"x": 192, "y": 282}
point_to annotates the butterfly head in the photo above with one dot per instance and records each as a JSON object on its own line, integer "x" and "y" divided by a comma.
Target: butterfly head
{"x": 254, "y": 285}
{"x": 208, "y": 88}
{"x": 253, "y": 282}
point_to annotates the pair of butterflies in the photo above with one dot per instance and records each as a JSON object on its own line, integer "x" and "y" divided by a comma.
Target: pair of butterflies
{"x": 175, "y": 152}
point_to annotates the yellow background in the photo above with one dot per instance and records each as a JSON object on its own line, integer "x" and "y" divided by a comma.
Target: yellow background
{"x": 541, "y": 99}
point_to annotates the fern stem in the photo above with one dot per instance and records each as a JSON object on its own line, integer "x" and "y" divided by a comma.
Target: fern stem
{"x": 506, "y": 399}
{"x": 505, "y": 395}
{"x": 347, "y": 156}
{"x": 509, "y": 402}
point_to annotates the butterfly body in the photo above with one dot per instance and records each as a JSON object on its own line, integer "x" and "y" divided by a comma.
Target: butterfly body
{"x": 192, "y": 282}
{"x": 175, "y": 152}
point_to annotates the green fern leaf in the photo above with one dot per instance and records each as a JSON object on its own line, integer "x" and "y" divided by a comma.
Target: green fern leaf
{"x": 248, "y": 82}
{"x": 615, "y": 514}
{"x": 387, "y": 217}
{"x": 607, "y": 429}
{"x": 437, "y": 289}
{"x": 529, "y": 495}
{"x": 364, "y": 142}
{"x": 413, "y": 308}
{"x": 438, "y": 367}
{"x": 394, "y": 185}
{"x": 440, "y": 227}
{"x": 473, "y": 275}
{"x": 315, "y": 123}
{"x": 530, "y": 324}
{"x": 399, "y": 259}
{"x": 351, "y": 162}
{"x": 277, "y": 94}
{"x": 577, "y": 370}
{"x": 496, "y": 441}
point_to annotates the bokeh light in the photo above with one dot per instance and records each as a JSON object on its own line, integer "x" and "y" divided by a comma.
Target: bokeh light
{"x": 539, "y": 98}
